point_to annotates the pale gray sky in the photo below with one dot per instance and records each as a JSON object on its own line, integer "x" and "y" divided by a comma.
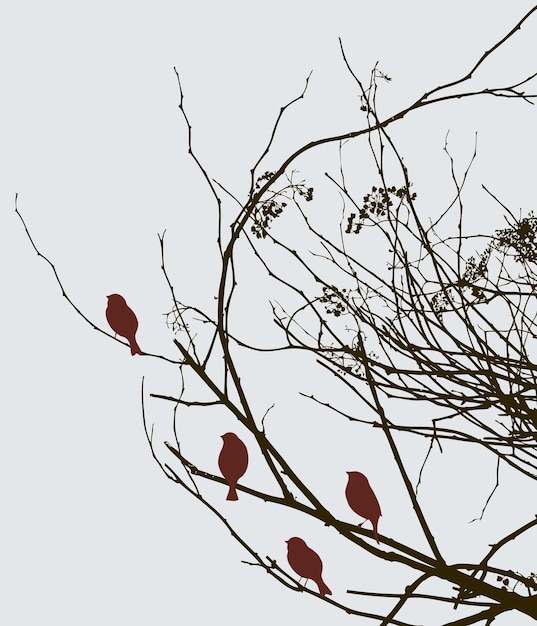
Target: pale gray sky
{"x": 93, "y": 142}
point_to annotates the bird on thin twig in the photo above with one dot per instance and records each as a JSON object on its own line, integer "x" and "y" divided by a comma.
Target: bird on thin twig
{"x": 306, "y": 563}
{"x": 363, "y": 500}
{"x": 233, "y": 461}
{"x": 122, "y": 320}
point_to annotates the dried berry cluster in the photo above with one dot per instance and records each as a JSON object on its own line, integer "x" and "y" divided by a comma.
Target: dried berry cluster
{"x": 475, "y": 271}
{"x": 268, "y": 210}
{"x": 521, "y": 237}
{"x": 334, "y": 300}
{"x": 441, "y": 301}
{"x": 263, "y": 178}
{"x": 506, "y": 583}
{"x": 264, "y": 215}
{"x": 376, "y": 204}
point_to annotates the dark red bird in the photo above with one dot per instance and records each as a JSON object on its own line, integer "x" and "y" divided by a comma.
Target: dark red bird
{"x": 362, "y": 499}
{"x": 306, "y": 563}
{"x": 233, "y": 461}
{"x": 122, "y": 320}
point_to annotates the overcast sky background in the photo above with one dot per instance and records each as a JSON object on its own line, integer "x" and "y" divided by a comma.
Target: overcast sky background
{"x": 92, "y": 140}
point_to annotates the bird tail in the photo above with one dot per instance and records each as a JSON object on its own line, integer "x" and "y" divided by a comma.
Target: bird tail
{"x": 323, "y": 589}
{"x": 135, "y": 348}
{"x": 232, "y": 493}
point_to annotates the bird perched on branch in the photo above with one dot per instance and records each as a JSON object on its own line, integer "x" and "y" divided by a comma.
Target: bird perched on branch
{"x": 233, "y": 461}
{"x": 306, "y": 563}
{"x": 122, "y": 320}
{"x": 362, "y": 499}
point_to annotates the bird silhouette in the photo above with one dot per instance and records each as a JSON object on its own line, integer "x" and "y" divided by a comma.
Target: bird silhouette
{"x": 122, "y": 320}
{"x": 306, "y": 563}
{"x": 233, "y": 461}
{"x": 362, "y": 499}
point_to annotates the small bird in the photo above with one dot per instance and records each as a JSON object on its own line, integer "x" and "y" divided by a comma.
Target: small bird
{"x": 362, "y": 499}
{"x": 306, "y": 563}
{"x": 233, "y": 461}
{"x": 122, "y": 320}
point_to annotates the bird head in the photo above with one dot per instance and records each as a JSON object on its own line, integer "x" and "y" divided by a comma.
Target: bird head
{"x": 228, "y": 436}
{"x": 357, "y": 477}
{"x": 295, "y": 541}
{"x": 115, "y": 297}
